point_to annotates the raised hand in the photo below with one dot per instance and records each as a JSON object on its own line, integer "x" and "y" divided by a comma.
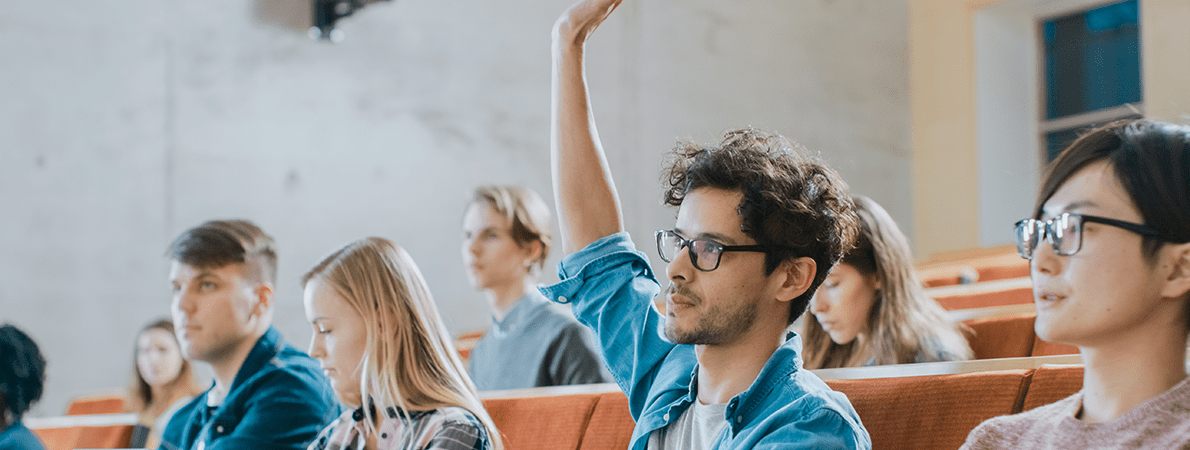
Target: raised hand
{"x": 588, "y": 206}
{"x": 581, "y": 19}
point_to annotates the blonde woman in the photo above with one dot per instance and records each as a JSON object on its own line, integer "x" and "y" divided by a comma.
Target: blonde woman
{"x": 871, "y": 310}
{"x": 381, "y": 342}
{"x": 164, "y": 381}
{"x": 506, "y": 238}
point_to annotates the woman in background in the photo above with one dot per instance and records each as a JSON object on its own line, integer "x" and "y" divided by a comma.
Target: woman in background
{"x": 382, "y": 344}
{"x": 164, "y": 381}
{"x": 872, "y": 310}
{"x": 22, "y": 380}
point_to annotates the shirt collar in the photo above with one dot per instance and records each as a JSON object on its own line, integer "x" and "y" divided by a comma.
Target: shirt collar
{"x": 520, "y": 314}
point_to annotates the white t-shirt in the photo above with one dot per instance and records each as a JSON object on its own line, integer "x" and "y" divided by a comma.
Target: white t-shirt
{"x": 697, "y": 428}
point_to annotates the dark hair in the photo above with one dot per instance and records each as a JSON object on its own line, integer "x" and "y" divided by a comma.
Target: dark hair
{"x": 218, "y": 243}
{"x": 22, "y": 375}
{"x": 1150, "y": 159}
{"x": 789, "y": 199}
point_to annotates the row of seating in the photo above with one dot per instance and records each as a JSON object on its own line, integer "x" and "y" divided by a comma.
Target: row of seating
{"x": 971, "y": 266}
{"x": 934, "y": 411}
{"x": 1011, "y": 336}
{"x": 89, "y": 430}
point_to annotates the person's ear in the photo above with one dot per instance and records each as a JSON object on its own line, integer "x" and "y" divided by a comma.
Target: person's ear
{"x": 264, "y": 298}
{"x": 1177, "y": 283}
{"x": 795, "y": 277}
{"x": 534, "y": 252}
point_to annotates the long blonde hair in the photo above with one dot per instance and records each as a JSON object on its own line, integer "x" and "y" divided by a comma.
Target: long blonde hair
{"x": 904, "y": 322}
{"x": 409, "y": 361}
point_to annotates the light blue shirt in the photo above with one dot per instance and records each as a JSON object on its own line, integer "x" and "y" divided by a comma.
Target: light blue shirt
{"x": 611, "y": 288}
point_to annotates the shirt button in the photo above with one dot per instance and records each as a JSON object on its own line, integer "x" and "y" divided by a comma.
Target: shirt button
{"x": 561, "y": 299}
{"x": 665, "y": 417}
{"x": 739, "y": 419}
{"x": 219, "y": 428}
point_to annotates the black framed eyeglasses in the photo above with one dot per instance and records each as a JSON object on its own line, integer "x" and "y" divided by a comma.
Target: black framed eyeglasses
{"x": 1065, "y": 232}
{"x": 704, "y": 253}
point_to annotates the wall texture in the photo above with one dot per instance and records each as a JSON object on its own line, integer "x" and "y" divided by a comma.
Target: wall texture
{"x": 125, "y": 123}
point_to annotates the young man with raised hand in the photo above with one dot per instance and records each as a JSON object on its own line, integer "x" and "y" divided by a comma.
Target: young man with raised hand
{"x": 267, "y": 394}
{"x": 759, "y": 226}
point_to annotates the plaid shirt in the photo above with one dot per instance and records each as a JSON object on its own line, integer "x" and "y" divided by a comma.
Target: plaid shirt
{"x": 449, "y": 428}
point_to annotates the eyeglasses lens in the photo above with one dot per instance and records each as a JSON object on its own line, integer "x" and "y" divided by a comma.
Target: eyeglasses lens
{"x": 706, "y": 255}
{"x": 1066, "y": 234}
{"x": 1026, "y": 237}
{"x": 668, "y": 245}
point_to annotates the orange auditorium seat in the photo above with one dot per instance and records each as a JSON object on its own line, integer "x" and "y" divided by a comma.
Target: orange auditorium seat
{"x": 1003, "y": 272}
{"x": 1052, "y": 383}
{"x": 108, "y": 404}
{"x": 542, "y": 423}
{"x": 932, "y": 412}
{"x": 1045, "y": 348}
{"x": 1009, "y": 336}
{"x": 611, "y": 424}
{"x": 981, "y": 299}
{"x": 67, "y": 438}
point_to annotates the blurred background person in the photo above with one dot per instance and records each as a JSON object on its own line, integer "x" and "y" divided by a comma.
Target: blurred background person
{"x": 506, "y": 239}
{"x": 872, "y": 310}
{"x": 163, "y": 381}
{"x": 22, "y": 379}
{"x": 381, "y": 342}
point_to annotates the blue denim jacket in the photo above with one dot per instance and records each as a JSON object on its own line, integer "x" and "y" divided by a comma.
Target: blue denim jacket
{"x": 279, "y": 400}
{"x": 612, "y": 287}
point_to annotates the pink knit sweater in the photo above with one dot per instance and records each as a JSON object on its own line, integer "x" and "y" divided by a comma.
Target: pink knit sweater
{"x": 1161, "y": 422}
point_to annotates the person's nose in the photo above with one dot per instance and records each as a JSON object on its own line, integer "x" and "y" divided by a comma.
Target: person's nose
{"x": 819, "y": 304}
{"x": 316, "y": 349}
{"x": 680, "y": 268}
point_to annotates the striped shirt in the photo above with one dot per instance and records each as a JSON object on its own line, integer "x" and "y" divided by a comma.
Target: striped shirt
{"x": 449, "y": 428}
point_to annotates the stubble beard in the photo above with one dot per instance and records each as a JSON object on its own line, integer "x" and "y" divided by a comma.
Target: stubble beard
{"x": 716, "y": 325}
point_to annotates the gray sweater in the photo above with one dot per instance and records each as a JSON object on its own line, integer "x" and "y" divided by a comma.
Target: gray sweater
{"x": 535, "y": 345}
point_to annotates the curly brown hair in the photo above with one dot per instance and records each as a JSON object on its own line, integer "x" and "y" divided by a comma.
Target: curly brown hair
{"x": 790, "y": 200}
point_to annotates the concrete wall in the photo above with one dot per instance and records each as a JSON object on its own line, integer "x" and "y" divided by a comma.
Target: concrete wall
{"x": 125, "y": 123}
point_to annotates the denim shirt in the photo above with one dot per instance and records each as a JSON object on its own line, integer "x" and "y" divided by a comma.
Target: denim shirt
{"x": 279, "y": 400}
{"x": 611, "y": 288}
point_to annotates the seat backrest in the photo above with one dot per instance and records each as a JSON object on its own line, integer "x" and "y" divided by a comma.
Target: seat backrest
{"x": 555, "y": 422}
{"x": 611, "y": 424}
{"x": 1046, "y": 348}
{"x": 1052, "y": 383}
{"x": 1009, "y": 336}
{"x": 981, "y": 299}
{"x": 1003, "y": 271}
{"x": 67, "y": 438}
{"x": 108, "y": 404}
{"x": 932, "y": 412}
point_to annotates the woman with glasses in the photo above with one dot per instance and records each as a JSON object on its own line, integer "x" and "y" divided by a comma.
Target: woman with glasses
{"x": 382, "y": 344}
{"x": 1111, "y": 274}
{"x": 871, "y": 310}
{"x": 506, "y": 239}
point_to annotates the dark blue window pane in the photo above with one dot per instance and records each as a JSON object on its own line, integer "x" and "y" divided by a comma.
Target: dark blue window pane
{"x": 1092, "y": 60}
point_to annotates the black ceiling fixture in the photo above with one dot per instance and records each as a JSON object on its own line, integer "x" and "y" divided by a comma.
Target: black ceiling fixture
{"x": 327, "y": 12}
